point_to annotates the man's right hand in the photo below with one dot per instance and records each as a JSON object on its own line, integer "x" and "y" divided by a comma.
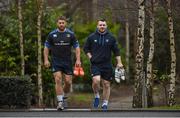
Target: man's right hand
{"x": 46, "y": 64}
{"x": 89, "y": 55}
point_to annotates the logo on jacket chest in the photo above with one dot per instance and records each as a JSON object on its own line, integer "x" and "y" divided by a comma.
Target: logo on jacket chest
{"x": 106, "y": 41}
{"x": 68, "y": 35}
{"x": 62, "y": 43}
{"x": 54, "y": 35}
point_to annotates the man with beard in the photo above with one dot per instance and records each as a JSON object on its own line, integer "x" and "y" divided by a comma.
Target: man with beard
{"x": 98, "y": 48}
{"x": 59, "y": 42}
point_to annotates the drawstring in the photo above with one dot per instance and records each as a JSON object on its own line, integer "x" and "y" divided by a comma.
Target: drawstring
{"x": 103, "y": 40}
{"x": 101, "y": 37}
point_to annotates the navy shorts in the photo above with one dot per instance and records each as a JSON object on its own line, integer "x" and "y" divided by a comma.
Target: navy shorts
{"x": 105, "y": 71}
{"x": 63, "y": 66}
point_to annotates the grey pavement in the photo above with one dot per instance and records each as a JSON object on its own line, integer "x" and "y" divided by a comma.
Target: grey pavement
{"x": 89, "y": 113}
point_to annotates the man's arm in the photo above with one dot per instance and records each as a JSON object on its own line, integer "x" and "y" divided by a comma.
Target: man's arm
{"x": 76, "y": 46}
{"x": 78, "y": 60}
{"x": 46, "y": 54}
{"x": 87, "y": 48}
{"x": 119, "y": 62}
{"x": 116, "y": 52}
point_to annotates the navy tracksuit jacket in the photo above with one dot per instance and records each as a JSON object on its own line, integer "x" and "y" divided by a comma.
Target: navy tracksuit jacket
{"x": 101, "y": 45}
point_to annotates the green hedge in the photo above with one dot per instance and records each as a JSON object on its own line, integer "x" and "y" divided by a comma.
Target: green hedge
{"x": 15, "y": 91}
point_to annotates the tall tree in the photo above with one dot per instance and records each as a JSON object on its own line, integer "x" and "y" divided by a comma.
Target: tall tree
{"x": 95, "y": 9}
{"x": 139, "y": 76}
{"x": 127, "y": 39}
{"x": 40, "y": 4}
{"x": 171, "y": 92}
{"x": 149, "y": 75}
{"x": 21, "y": 36}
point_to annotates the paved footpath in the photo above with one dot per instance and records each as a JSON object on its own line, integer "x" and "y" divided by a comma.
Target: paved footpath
{"x": 88, "y": 113}
{"x": 120, "y": 106}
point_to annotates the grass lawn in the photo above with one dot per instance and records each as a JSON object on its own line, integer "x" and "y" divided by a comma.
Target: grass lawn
{"x": 80, "y": 100}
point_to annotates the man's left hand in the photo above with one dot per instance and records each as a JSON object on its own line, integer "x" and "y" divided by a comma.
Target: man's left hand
{"x": 120, "y": 65}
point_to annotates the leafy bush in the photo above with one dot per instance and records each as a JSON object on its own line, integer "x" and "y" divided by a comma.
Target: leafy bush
{"x": 15, "y": 91}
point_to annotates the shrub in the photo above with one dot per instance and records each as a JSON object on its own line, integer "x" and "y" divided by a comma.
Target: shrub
{"x": 15, "y": 91}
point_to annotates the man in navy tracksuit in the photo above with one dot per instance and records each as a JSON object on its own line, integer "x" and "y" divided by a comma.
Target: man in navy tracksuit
{"x": 59, "y": 42}
{"x": 98, "y": 48}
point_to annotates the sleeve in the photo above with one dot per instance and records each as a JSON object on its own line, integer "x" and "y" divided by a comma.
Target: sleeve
{"x": 48, "y": 42}
{"x": 87, "y": 46}
{"x": 74, "y": 42}
{"x": 115, "y": 48}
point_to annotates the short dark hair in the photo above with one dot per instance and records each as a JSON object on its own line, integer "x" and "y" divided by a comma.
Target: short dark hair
{"x": 101, "y": 19}
{"x": 61, "y": 18}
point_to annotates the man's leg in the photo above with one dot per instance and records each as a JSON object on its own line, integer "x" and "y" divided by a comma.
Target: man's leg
{"x": 67, "y": 84}
{"x": 59, "y": 89}
{"x": 106, "y": 93}
{"x": 96, "y": 87}
{"x": 67, "y": 88}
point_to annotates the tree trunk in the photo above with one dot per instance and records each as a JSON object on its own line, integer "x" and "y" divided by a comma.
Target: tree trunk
{"x": 127, "y": 40}
{"x": 171, "y": 92}
{"x": 21, "y": 36}
{"x": 137, "y": 98}
{"x": 40, "y": 11}
{"x": 151, "y": 56}
{"x": 95, "y": 9}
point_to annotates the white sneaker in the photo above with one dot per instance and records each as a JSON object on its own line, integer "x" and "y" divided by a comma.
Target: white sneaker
{"x": 60, "y": 106}
{"x": 122, "y": 74}
{"x": 119, "y": 74}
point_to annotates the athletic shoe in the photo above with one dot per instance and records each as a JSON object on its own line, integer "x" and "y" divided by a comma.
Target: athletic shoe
{"x": 81, "y": 71}
{"x": 104, "y": 107}
{"x": 122, "y": 73}
{"x": 96, "y": 102}
{"x": 119, "y": 74}
{"x": 60, "y": 106}
{"x": 76, "y": 71}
